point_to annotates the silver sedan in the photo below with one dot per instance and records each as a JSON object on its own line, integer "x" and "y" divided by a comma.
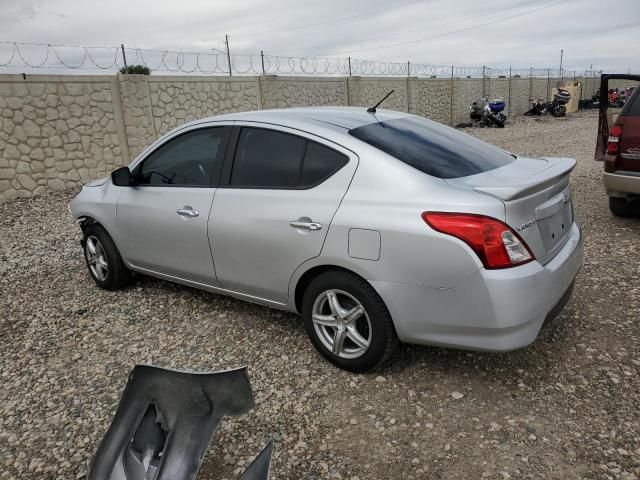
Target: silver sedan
{"x": 375, "y": 226}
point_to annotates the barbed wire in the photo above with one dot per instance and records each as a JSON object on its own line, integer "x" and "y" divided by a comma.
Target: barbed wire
{"x": 16, "y": 55}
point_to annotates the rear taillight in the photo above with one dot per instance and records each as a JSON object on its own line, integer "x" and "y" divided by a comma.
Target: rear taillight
{"x": 497, "y": 245}
{"x": 614, "y": 140}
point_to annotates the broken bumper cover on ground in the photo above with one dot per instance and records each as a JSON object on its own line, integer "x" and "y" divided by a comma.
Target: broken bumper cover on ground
{"x": 165, "y": 420}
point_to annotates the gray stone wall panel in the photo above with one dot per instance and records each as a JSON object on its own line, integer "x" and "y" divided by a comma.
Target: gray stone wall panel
{"x": 55, "y": 134}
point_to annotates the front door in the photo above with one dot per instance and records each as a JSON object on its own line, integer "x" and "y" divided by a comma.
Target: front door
{"x": 275, "y": 209}
{"x": 162, "y": 220}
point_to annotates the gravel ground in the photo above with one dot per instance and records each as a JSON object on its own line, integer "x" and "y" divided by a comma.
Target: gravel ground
{"x": 566, "y": 407}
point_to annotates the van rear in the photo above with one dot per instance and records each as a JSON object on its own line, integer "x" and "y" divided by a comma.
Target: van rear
{"x": 622, "y": 160}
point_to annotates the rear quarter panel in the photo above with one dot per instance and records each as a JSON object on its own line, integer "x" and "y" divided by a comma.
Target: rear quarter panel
{"x": 389, "y": 196}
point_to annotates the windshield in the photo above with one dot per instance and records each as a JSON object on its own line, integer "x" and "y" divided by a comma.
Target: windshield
{"x": 432, "y": 148}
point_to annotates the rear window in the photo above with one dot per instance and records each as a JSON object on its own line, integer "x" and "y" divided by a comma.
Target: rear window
{"x": 432, "y": 148}
{"x": 632, "y": 107}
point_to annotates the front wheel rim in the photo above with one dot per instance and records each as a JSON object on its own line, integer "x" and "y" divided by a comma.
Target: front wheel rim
{"x": 96, "y": 258}
{"x": 341, "y": 324}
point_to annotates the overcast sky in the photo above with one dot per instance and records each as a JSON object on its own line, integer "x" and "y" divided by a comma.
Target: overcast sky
{"x": 601, "y": 33}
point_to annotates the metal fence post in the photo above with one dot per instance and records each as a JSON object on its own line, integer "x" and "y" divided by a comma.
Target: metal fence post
{"x": 124, "y": 55}
{"x": 548, "y": 79}
{"x": 262, "y": 59}
{"x": 451, "y": 98}
{"x": 226, "y": 41}
{"x": 509, "y": 104}
{"x": 531, "y": 85}
{"x": 349, "y": 66}
{"x": 408, "y": 68}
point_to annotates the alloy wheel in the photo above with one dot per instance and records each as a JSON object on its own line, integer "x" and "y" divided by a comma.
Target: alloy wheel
{"x": 96, "y": 258}
{"x": 341, "y": 323}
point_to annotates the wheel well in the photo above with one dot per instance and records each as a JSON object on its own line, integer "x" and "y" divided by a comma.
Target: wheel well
{"x": 84, "y": 222}
{"x": 308, "y": 277}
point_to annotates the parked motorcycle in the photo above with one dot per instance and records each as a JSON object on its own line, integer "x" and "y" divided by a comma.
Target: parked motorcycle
{"x": 538, "y": 107}
{"x": 557, "y": 107}
{"x": 489, "y": 114}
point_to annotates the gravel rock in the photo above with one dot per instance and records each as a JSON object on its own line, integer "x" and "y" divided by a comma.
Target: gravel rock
{"x": 67, "y": 348}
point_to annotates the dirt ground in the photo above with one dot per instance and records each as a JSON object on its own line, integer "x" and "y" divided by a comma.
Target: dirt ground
{"x": 566, "y": 407}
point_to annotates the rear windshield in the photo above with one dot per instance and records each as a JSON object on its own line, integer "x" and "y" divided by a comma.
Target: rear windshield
{"x": 432, "y": 148}
{"x": 632, "y": 107}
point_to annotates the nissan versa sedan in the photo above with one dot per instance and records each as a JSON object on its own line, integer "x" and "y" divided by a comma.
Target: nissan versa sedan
{"x": 375, "y": 226}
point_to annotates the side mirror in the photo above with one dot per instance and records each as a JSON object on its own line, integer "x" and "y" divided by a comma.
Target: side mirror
{"x": 121, "y": 177}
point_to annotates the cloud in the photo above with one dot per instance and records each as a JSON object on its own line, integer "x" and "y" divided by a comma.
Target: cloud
{"x": 354, "y": 28}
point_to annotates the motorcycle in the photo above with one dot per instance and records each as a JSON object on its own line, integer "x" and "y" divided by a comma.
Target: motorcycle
{"x": 489, "y": 114}
{"x": 557, "y": 107}
{"x": 538, "y": 107}
{"x": 587, "y": 103}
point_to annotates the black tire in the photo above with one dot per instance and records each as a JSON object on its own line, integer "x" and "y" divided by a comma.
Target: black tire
{"x": 383, "y": 340}
{"x": 495, "y": 120}
{"x": 620, "y": 207}
{"x": 117, "y": 275}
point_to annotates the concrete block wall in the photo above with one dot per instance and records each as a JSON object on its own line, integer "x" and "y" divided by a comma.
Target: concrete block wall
{"x": 282, "y": 92}
{"x": 176, "y": 100}
{"x": 431, "y": 98}
{"x": 367, "y": 91}
{"x": 540, "y": 89}
{"x": 619, "y": 84}
{"x": 519, "y": 95}
{"x": 62, "y": 131}
{"x": 56, "y": 132}
{"x": 465, "y": 92}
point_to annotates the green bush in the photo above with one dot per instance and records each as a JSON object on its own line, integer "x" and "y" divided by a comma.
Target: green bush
{"x": 136, "y": 69}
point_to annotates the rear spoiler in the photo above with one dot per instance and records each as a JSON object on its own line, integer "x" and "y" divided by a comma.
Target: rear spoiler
{"x": 603, "y": 120}
{"x": 558, "y": 168}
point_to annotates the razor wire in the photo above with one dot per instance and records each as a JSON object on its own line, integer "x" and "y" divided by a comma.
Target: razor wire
{"x": 73, "y": 57}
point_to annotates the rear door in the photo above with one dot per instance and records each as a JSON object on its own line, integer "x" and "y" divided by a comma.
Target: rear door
{"x": 162, "y": 220}
{"x": 281, "y": 191}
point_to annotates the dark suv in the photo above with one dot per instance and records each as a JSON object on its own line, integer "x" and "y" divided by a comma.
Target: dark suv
{"x": 622, "y": 159}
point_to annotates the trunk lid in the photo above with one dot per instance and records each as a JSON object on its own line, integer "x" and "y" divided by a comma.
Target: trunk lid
{"x": 537, "y": 200}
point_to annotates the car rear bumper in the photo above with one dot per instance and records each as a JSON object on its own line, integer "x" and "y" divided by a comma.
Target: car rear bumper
{"x": 621, "y": 185}
{"x": 493, "y": 310}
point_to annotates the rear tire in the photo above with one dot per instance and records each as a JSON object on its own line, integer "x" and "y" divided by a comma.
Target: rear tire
{"x": 103, "y": 260}
{"x": 356, "y": 345}
{"x": 620, "y": 207}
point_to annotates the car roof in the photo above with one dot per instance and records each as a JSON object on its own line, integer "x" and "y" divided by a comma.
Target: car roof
{"x": 340, "y": 117}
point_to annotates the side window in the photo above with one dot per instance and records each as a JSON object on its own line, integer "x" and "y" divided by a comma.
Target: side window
{"x": 192, "y": 159}
{"x": 267, "y": 159}
{"x": 271, "y": 159}
{"x": 320, "y": 163}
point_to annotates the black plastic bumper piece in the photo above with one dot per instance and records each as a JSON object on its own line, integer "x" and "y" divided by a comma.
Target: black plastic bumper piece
{"x": 165, "y": 420}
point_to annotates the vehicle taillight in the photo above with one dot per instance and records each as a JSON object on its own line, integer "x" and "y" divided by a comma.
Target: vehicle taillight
{"x": 614, "y": 139}
{"x": 497, "y": 245}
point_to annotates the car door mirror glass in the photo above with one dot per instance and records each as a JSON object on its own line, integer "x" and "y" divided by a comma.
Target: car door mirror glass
{"x": 122, "y": 177}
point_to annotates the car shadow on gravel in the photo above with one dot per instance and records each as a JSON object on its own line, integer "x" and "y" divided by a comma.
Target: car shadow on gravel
{"x": 547, "y": 350}
{"x": 250, "y": 312}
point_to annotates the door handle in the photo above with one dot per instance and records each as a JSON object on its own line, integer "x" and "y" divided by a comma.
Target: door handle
{"x": 306, "y": 225}
{"x": 187, "y": 211}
